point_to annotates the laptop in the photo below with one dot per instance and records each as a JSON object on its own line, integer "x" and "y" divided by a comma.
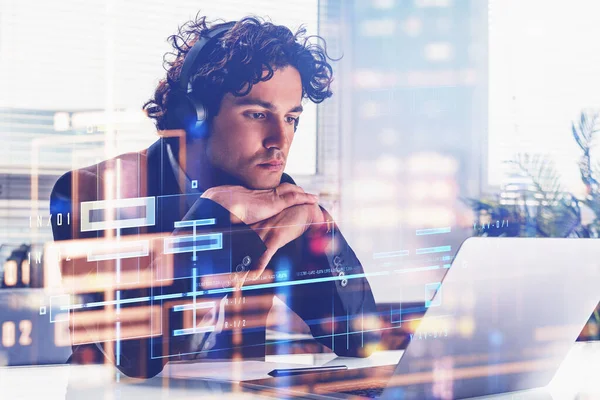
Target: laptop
{"x": 506, "y": 314}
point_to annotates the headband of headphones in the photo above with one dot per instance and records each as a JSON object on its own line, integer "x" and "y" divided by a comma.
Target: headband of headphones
{"x": 192, "y": 55}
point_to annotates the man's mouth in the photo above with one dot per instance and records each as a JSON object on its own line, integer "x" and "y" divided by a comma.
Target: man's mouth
{"x": 273, "y": 165}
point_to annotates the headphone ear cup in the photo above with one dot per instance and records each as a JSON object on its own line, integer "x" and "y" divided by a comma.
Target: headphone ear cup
{"x": 200, "y": 111}
{"x": 183, "y": 110}
{"x": 198, "y": 128}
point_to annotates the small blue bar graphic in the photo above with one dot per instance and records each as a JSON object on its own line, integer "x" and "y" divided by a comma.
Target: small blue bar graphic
{"x": 429, "y": 250}
{"x": 417, "y": 269}
{"x": 433, "y": 231}
{"x": 191, "y": 331}
{"x": 211, "y": 241}
{"x": 197, "y": 306}
{"x": 196, "y": 222}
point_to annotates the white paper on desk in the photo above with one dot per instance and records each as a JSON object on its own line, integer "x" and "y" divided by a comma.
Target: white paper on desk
{"x": 377, "y": 359}
{"x": 247, "y": 370}
{"x": 237, "y": 371}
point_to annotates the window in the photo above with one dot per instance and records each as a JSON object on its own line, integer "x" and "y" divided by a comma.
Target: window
{"x": 74, "y": 76}
{"x": 543, "y": 60}
{"x": 102, "y": 56}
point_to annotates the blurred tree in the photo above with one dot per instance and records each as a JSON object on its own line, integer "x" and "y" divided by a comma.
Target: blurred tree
{"x": 536, "y": 205}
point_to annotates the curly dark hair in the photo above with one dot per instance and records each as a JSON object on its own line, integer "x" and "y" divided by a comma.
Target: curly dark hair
{"x": 236, "y": 62}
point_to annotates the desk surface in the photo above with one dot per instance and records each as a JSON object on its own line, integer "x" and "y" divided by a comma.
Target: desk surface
{"x": 578, "y": 377}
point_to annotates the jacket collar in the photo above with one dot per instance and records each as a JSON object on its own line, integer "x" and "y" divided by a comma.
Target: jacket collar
{"x": 162, "y": 180}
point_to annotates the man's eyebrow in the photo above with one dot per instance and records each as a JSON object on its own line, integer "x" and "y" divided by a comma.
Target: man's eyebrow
{"x": 245, "y": 101}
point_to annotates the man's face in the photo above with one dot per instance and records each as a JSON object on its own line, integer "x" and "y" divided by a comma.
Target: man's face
{"x": 251, "y": 136}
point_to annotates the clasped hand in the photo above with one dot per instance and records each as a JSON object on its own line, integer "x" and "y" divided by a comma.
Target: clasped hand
{"x": 277, "y": 215}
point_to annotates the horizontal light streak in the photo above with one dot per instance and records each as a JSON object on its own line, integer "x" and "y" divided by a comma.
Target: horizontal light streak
{"x": 192, "y": 331}
{"x": 197, "y": 306}
{"x": 433, "y": 231}
{"x": 417, "y": 269}
{"x": 429, "y": 250}
{"x": 390, "y": 254}
{"x": 246, "y": 288}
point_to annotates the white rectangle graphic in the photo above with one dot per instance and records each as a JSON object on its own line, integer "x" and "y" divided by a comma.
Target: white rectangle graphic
{"x": 113, "y": 205}
{"x": 115, "y": 250}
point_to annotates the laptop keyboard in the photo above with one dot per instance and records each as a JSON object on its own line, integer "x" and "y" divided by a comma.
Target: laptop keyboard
{"x": 371, "y": 393}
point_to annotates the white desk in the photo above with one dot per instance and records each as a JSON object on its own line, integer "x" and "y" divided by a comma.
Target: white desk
{"x": 579, "y": 375}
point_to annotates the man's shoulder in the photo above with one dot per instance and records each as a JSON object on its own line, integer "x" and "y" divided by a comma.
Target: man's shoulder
{"x": 125, "y": 162}
{"x": 127, "y": 166}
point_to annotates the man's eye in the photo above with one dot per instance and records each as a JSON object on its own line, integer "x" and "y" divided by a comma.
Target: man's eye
{"x": 292, "y": 120}
{"x": 257, "y": 115}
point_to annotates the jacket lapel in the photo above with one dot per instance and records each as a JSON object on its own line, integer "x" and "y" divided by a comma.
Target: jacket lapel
{"x": 161, "y": 178}
{"x": 162, "y": 184}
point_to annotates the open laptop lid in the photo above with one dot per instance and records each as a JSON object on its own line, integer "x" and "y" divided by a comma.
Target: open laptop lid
{"x": 504, "y": 319}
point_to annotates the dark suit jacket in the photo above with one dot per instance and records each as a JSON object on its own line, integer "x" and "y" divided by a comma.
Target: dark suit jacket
{"x": 330, "y": 305}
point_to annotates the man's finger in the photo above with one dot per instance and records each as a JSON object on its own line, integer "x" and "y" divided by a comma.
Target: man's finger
{"x": 285, "y": 188}
{"x": 287, "y": 195}
{"x": 295, "y": 198}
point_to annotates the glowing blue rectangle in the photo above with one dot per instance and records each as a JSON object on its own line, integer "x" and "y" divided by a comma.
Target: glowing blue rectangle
{"x": 215, "y": 242}
{"x": 433, "y": 231}
{"x": 191, "y": 331}
{"x": 438, "y": 249}
{"x": 197, "y": 306}
{"x": 196, "y": 222}
{"x": 389, "y": 254}
{"x": 447, "y": 265}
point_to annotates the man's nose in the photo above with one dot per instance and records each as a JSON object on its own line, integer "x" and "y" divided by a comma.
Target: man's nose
{"x": 278, "y": 136}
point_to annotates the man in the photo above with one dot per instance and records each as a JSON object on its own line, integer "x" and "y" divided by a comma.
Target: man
{"x": 227, "y": 113}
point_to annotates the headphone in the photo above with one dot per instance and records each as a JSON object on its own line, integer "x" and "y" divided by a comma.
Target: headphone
{"x": 190, "y": 112}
